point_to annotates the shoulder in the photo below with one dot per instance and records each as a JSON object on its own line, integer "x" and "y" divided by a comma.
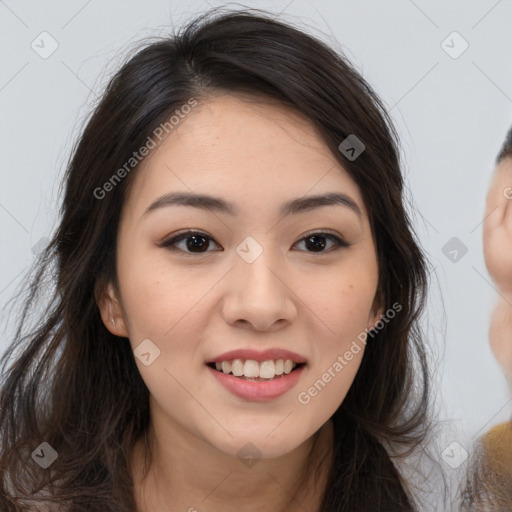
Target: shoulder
{"x": 499, "y": 438}
{"x": 501, "y": 431}
{"x": 497, "y": 447}
{"x": 489, "y": 485}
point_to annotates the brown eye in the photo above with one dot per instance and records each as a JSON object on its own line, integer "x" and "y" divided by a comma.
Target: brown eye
{"x": 195, "y": 242}
{"x": 316, "y": 242}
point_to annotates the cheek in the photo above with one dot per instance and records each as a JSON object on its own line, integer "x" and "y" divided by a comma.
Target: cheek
{"x": 161, "y": 305}
{"x": 153, "y": 291}
{"x": 343, "y": 300}
{"x": 332, "y": 374}
{"x": 502, "y": 350}
{"x": 151, "y": 308}
{"x": 499, "y": 335}
{"x": 160, "y": 310}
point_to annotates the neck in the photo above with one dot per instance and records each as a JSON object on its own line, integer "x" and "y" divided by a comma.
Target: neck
{"x": 187, "y": 474}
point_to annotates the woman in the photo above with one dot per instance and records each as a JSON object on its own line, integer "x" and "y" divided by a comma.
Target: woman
{"x": 237, "y": 292}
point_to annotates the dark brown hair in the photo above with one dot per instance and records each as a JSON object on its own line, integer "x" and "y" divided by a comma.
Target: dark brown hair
{"x": 506, "y": 148}
{"x": 68, "y": 381}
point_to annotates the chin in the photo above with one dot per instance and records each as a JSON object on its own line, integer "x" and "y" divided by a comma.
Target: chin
{"x": 248, "y": 448}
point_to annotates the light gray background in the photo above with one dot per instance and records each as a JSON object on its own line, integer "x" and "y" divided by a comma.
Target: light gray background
{"x": 452, "y": 115}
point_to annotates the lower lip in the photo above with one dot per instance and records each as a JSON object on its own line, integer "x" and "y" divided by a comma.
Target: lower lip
{"x": 258, "y": 391}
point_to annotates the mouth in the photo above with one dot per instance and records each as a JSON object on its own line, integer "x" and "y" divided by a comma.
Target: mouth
{"x": 256, "y": 381}
{"x": 251, "y": 370}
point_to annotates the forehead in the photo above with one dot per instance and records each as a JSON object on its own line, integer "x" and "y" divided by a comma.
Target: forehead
{"x": 244, "y": 148}
{"x": 505, "y": 165}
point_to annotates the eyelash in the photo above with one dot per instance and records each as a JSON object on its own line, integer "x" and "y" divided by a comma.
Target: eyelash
{"x": 168, "y": 244}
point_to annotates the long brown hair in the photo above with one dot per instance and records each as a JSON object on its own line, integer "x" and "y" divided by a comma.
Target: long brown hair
{"x": 69, "y": 382}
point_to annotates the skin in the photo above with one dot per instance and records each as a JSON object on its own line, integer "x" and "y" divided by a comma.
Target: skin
{"x": 196, "y": 306}
{"x": 497, "y": 236}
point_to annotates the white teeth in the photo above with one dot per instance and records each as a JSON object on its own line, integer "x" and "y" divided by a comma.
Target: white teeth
{"x": 253, "y": 369}
{"x": 237, "y": 367}
{"x": 267, "y": 370}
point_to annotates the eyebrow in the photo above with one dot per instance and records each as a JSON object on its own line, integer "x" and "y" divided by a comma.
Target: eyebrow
{"x": 294, "y": 206}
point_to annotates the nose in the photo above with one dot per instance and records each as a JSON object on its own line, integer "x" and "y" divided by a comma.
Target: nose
{"x": 258, "y": 295}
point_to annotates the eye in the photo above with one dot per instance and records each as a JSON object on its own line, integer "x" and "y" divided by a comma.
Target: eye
{"x": 195, "y": 242}
{"x": 198, "y": 243}
{"x": 316, "y": 241}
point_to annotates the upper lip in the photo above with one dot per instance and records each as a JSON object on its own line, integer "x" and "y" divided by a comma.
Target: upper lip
{"x": 258, "y": 355}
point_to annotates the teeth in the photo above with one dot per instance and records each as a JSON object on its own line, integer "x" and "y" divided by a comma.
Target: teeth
{"x": 267, "y": 370}
{"x": 237, "y": 367}
{"x": 253, "y": 369}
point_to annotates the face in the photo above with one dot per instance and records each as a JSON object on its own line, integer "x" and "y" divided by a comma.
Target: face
{"x": 497, "y": 232}
{"x": 250, "y": 278}
{"x": 497, "y": 240}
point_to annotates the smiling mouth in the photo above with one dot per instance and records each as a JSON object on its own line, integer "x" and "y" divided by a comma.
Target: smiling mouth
{"x": 258, "y": 379}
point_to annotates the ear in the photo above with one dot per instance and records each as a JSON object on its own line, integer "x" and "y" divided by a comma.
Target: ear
{"x": 111, "y": 310}
{"x": 376, "y": 312}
